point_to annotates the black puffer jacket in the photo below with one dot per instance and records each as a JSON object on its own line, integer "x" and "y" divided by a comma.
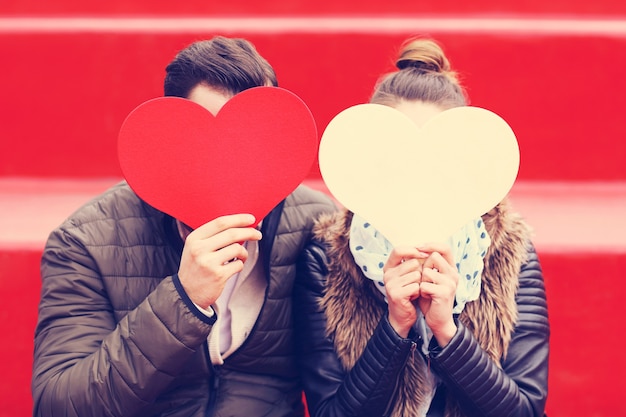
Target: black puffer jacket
{"x": 118, "y": 336}
{"x": 379, "y": 374}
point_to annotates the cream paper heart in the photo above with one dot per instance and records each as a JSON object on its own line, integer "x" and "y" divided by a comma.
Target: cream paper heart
{"x": 418, "y": 185}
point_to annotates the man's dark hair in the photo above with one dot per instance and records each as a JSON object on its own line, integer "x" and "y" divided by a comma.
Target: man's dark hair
{"x": 230, "y": 65}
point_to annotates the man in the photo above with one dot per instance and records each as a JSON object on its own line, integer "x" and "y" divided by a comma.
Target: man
{"x": 140, "y": 316}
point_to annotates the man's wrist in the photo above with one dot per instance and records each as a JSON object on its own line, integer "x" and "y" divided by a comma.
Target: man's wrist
{"x": 209, "y": 312}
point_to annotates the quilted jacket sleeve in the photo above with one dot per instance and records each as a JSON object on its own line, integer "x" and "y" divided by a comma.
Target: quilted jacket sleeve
{"x": 330, "y": 391}
{"x": 86, "y": 364}
{"x": 520, "y": 388}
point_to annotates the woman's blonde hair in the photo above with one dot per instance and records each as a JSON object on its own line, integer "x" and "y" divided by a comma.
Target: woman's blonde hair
{"x": 424, "y": 74}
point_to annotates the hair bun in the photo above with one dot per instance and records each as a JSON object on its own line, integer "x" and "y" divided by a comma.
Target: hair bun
{"x": 423, "y": 54}
{"x": 424, "y": 75}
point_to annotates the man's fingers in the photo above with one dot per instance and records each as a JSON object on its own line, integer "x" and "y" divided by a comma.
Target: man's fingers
{"x": 233, "y": 267}
{"x": 231, "y": 253}
{"x": 204, "y": 238}
{"x": 231, "y": 236}
{"x": 223, "y": 223}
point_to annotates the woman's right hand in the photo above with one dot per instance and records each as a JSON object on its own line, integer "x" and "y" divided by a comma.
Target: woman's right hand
{"x": 402, "y": 277}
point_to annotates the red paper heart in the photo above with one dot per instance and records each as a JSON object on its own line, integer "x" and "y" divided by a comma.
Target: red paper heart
{"x": 194, "y": 166}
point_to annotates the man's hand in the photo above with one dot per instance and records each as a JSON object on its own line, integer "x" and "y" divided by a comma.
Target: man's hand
{"x": 212, "y": 254}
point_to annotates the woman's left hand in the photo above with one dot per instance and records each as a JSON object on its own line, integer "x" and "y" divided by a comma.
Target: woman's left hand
{"x": 437, "y": 291}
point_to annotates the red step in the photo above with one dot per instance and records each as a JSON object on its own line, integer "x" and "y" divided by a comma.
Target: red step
{"x": 63, "y": 121}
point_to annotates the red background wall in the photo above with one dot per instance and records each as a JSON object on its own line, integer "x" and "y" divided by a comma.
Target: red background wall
{"x": 553, "y": 70}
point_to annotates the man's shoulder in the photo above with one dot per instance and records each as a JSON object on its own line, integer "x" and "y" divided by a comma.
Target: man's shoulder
{"x": 118, "y": 195}
{"x": 302, "y": 207}
{"x": 305, "y": 196}
{"x": 116, "y": 216}
{"x": 115, "y": 204}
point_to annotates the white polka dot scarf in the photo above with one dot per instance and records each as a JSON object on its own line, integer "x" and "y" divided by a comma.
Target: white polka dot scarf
{"x": 469, "y": 245}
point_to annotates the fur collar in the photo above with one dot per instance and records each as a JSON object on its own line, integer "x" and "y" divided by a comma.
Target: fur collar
{"x": 354, "y": 306}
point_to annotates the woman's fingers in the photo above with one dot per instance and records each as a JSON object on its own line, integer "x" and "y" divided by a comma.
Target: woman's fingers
{"x": 442, "y": 249}
{"x": 438, "y": 272}
{"x": 406, "y": 286}
{"x": 401, "y": 254}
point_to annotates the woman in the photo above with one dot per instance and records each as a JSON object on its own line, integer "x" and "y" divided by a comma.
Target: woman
{"x": 385, "y": 331}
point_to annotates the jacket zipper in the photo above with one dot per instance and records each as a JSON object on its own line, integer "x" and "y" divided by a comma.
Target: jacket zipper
{"x": 214, "y": 383}
{"x": 392, "y": 402}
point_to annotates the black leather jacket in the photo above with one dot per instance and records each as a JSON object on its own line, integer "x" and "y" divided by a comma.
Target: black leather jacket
{"x": 481, "y": 388}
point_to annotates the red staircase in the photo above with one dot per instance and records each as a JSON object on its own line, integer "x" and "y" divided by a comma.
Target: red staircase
{"x": 72, "y": 71}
